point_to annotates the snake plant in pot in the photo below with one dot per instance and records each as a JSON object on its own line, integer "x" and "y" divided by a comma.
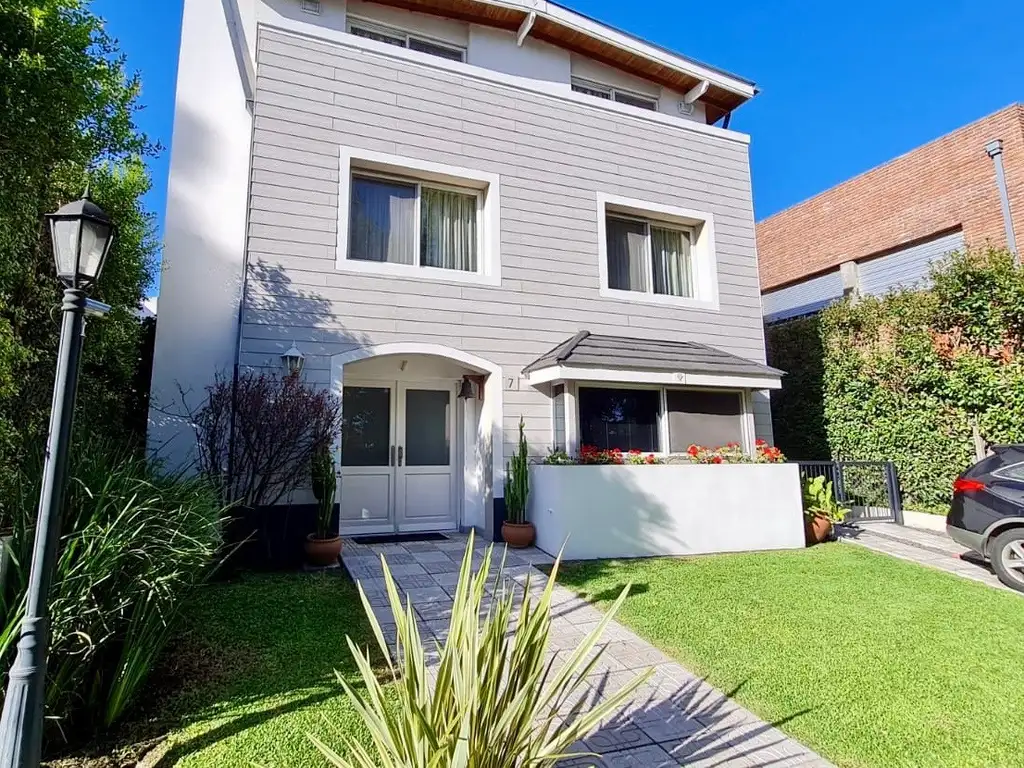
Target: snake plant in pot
{"x": 323, "y": 546}
{"x": 516, "y": 530}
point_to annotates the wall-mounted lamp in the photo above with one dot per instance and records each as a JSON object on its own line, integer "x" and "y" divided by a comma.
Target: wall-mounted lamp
{"x": 293, "y": 360}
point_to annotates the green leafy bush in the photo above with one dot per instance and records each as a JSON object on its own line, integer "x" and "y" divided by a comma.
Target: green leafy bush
{"x": 905, "y": 376}
{"x": 798, "y": 415}
{"x": 496, "y": 702}
{"x": 134, "y": 546}
{"x": 820, "y": 501}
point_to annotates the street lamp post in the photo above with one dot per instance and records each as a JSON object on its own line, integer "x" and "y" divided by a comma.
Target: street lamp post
{"x": 81, "y": 234}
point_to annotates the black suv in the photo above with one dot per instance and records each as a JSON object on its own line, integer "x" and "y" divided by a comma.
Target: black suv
{"x": 987, "y": 513}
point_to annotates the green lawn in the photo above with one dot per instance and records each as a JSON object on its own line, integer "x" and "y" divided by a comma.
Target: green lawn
{"x": 869, "y": 660}
{"x": 260, "y": 663}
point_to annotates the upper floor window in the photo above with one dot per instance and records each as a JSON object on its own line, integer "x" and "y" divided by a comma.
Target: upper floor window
{"x": 412, "y": 218}
{"x": 648, "y": 257}
{"x": 656, "y": 253}
{"x": 614, "y": 94}
{"x": 402, "y": 221}
{"x": 402, "y": 39}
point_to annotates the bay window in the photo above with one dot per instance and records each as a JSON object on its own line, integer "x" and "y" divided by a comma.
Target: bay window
{"x": 659, "y": 419}
{"x": 620, "y": 418}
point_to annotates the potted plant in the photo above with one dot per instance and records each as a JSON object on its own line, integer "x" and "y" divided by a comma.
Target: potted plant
{"x": 516, "y": 530}
{"x": 323, "y": 546}
{"x": 821, "y": 510}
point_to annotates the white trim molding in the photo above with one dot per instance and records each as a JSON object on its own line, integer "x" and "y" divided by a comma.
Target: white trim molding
{"x": 704, "y": 260}
{"x": 666, "y": 378}
{"x": 415, "y": 170}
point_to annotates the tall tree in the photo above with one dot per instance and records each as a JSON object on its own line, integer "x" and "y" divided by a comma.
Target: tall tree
{"x": 67, "y": 119}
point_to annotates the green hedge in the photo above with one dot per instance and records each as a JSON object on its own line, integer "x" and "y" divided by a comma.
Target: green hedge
{"x": 903, "y": 377}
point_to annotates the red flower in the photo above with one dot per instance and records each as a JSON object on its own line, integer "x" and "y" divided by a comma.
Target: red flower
{"x": 716, "y": 459}
{"x": 651, "y": 459}
{"x": 693, "y": 450}
{"x": 762, "y": 442}
{"x": 635, "y": 452}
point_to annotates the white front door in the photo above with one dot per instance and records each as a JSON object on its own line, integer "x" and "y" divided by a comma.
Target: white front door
{"x": 397, "y": 457}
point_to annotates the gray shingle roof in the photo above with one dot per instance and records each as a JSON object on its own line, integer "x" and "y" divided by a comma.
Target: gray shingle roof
{"x": 588, "y": 350}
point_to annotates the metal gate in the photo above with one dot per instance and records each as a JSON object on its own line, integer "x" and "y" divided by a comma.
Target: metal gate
{"x": 869, "y": 489}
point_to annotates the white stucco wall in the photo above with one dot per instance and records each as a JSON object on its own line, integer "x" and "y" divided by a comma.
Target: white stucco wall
{"x": 204, "y": 241}
{"x": 642, "y": 511}
{"x": 496, "y": 49}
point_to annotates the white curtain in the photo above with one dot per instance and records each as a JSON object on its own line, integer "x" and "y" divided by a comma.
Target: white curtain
{"x": 447, "y": 229}
{"x": 382, "y": 226}
{"x": 627, "y": 244}
{"x": 670, "y": 259}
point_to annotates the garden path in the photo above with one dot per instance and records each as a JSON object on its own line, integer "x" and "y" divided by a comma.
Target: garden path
{"x": 675, "y": 719}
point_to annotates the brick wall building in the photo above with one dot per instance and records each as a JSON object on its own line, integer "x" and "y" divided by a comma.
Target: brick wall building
{"x": 882, "y": 228}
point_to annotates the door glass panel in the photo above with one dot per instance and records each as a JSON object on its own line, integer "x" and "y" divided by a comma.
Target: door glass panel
{"x": 427, "y": 439}
{"x": 366, "y": 427}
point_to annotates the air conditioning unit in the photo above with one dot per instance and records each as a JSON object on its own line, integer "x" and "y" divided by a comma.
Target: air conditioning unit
{"x": 311, "y": 6}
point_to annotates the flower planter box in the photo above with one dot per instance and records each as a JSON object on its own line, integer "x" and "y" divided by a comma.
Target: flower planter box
{"x": 643, "y": 511}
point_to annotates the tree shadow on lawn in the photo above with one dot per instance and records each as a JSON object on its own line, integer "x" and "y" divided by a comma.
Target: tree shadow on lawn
{"x": 279, "y": 639}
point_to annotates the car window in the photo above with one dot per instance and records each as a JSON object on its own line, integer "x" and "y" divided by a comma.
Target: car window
{"x": 1012, "y": 472}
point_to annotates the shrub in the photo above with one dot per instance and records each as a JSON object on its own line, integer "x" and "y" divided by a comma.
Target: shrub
{"x": 820, "y": 501}
{"x": 134, "y": 546}
{"x": 257, "y": 436}
{"x": 908, "y": 375}
{"x": 496, "y": 702}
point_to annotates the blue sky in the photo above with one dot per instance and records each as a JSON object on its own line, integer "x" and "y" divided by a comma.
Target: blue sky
{"x": 845, "y": 86}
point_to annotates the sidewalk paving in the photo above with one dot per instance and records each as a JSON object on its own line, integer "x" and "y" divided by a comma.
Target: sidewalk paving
{"x": 674, "y": 719}
{"x": 929, "y": 548}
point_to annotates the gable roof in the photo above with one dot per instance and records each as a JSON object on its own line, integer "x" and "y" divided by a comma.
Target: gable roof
{"x": 560, "y": 26}
{"x": 616, "y": 352}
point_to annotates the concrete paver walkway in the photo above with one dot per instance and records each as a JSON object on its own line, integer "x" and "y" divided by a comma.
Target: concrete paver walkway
{"x": 675, "y": 719}
{"x": 924, "y": 547}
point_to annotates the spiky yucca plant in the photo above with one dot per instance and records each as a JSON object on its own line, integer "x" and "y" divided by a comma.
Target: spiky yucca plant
{"x": 496, "y": 702}
{"x": 517, "y": 480}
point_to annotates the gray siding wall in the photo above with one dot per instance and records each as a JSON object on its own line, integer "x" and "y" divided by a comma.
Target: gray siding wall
{"x": 906, "y": 268}
{"x": 553, "y": 157}
{"x": 803, "y": 298}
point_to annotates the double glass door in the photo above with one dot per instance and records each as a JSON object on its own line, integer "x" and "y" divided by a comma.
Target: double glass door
{"x": 397, "y": 457}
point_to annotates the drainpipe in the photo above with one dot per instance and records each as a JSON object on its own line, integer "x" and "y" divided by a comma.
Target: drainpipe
{"x": 995, "y": 151}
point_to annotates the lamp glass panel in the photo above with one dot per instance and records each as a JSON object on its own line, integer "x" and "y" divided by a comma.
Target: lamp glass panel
{"x": 65, "y": 246}
{"x": 94, "y": 245}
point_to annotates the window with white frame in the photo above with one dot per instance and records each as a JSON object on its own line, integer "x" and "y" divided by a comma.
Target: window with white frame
{"x": 417, "y": 224}
{"x": 656, "y": 253}
{"x": 414, "y": 42}
{"x": 614, "y": 94}
{"x": 648, "y": 256}
{"x": 659, "y": 419}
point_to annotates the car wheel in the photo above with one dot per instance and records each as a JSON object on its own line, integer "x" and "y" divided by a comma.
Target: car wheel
{"x": 1007, "y": 554}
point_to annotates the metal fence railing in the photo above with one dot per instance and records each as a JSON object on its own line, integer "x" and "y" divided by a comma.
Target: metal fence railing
{"x": 869, "y": 489}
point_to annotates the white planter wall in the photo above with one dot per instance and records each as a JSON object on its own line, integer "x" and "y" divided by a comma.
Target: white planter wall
{"x": 640, "y": 511}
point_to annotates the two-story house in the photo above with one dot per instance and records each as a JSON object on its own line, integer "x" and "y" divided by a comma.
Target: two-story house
{"x": 462, "y": 213}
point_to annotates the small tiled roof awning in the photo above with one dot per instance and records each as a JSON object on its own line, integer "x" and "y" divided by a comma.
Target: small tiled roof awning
{"x": 589, "y": 357}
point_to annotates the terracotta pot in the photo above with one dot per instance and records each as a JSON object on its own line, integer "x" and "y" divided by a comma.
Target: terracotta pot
{"x": 518, "y": 535}
{"x": 321, "y": 553}
{"x": 817, "y": 529}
